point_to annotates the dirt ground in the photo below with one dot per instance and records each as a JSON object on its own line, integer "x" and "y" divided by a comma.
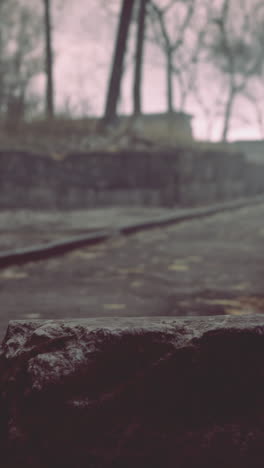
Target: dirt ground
{"x": 213, "y": 265}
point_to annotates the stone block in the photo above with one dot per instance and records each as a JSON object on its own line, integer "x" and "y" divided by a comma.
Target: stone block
{"x": 133, "y": 392}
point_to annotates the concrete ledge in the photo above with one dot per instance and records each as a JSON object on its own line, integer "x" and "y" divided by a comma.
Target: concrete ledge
{"x": 133, "y": 392}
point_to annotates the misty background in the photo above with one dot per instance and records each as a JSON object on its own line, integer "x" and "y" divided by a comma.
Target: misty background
{"x": 216, "y": 69}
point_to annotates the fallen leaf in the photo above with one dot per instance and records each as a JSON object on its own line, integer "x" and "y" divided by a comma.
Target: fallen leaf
{"x": 241, "y": 286}
{"x": 136, "y": 284}
{"x": 114, "y": 306}
{"x": 88, "y": 255}
{"x": 13, "y": 274}
{"x": 33, "y": 316}
{"x": 58, "y": 156}
{"x": 178, "y": 267}
{"x": 230, "y": 311}
{"x": 223, "y": 302}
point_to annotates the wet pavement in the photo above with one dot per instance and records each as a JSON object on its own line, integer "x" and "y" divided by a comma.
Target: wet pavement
{"x": 212, "y": 265}
{"x": 23, "y": 228}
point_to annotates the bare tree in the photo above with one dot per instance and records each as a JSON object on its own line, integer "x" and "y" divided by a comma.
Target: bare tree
{"x": 48, "y": 61}
{"x": 117, "y": 66}
{"x": 237, "y": 54}
{"x": 140, "y": 40}
{"x": 168, "y": 32}
{"x": 256, "y": 99}
{"x": 190, "y": 58}
{"x": 20, "y": 56}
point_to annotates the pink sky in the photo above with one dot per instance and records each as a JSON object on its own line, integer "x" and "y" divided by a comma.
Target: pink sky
{"x": 84, "y": 44}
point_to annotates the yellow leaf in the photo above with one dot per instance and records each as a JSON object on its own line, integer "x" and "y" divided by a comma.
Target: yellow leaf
{"x": 231, "y": 311}
{"x": 58, "y": 156}
{"x": 241, "y": 286}
{"x": 88, "y": 255}
{"x": 114, "y": 306}
{"x": 13, "y": 274}
{"x": 178, "y": 267}
{"x": 136, "y": 284}
{"x": 223, "y": 302}
{"x": 32, "y": 316}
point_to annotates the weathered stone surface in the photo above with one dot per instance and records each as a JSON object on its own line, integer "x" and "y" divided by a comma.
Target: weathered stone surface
{"x": 133, "y": 392}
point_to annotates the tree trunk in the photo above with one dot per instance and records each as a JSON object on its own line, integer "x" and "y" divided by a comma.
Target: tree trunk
{"x": 49, "y": 61}
{"x": 169, "y": 83}
{"x": 117, "y": 67}
{"x": 139, "y": 57}
{"x": 228, "y": 113}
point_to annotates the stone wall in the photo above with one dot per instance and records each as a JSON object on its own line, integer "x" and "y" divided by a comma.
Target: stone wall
{"x": 253, "y": 149}
{"x": 212, "y": 176}
{"x": 167, "y": 178}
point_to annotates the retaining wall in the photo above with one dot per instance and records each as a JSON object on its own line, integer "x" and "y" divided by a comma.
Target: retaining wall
{"x": 166, "y": 178}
